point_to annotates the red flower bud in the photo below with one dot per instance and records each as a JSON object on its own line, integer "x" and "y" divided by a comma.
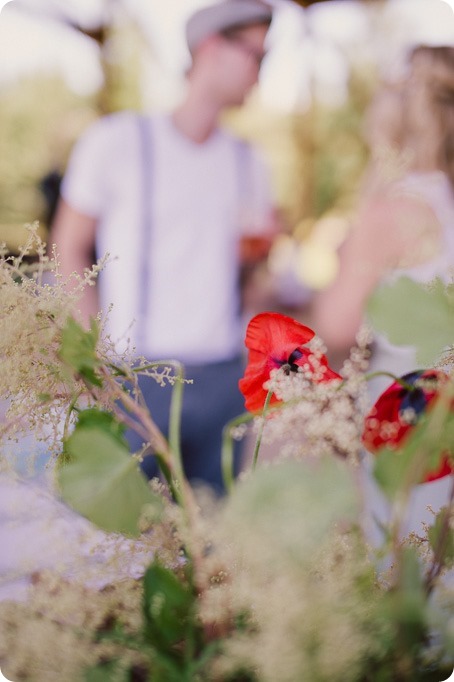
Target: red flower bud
{"x": 398, "y": 409}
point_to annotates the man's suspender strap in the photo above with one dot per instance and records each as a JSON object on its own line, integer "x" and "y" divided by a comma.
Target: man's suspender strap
{"x": 244, "y": 177}
{"x": 244, "y": 172}
{"x": 144, "y": 127}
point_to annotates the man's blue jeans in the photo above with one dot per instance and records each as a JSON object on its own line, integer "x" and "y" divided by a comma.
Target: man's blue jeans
{"x": 209, "y": 403}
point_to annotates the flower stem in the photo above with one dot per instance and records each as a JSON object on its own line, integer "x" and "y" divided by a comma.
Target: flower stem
{"x": 441, "y": 545}
{"x": 258, "y": 442}
{"x": 69, "y": 412}
{"x": 227, "y": 448}
{"x": 397, "y": 379}
{"x": 169, "y": 458}
{"x": 176, "y": 406}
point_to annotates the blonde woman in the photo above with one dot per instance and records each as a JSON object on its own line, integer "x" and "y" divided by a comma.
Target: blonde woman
{"x": 404, "y": 225}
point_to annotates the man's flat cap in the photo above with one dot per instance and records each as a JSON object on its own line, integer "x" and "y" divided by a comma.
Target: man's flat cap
{"x": 216, "y": 18}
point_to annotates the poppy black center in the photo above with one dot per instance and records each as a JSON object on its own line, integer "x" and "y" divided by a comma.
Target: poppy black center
{"x": 290, "y": 365}
{"x": 414, "y": 400}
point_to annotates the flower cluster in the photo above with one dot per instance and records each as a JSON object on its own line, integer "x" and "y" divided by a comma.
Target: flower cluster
{"x": 277, "y": 580}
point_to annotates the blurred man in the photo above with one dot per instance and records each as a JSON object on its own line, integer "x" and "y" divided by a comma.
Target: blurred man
{"x": 172, "y": 197}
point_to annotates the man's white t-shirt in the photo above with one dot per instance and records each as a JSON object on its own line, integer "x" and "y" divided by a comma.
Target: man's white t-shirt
{"x": 172, "y": 231}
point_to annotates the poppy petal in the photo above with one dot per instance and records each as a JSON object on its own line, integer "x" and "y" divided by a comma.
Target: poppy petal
{"x": 273, "y": 340}
{"x": 276, "y": 335}
{"x": 251, "y": 386}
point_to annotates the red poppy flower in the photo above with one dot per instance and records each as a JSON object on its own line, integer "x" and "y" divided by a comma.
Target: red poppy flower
{"x": 275, "y": 341}
{"x": 397, "y": 410}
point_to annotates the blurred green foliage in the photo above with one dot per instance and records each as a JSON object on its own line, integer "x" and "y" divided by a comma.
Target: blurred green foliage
{"x": 39, "y": 119}
{"x": 317, "y": 155}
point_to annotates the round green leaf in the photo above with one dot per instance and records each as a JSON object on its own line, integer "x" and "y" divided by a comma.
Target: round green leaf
{"x": 410, "y": 313}
{"x": 102, "y": 481}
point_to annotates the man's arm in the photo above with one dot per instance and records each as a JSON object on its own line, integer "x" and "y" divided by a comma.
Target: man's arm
{"x": 73, "y": 234}
{"x": 255, "y": 247}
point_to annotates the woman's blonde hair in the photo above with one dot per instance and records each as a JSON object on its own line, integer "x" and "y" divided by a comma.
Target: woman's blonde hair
{"x": 415, "y": 118}
{"x": 428, "y": 109}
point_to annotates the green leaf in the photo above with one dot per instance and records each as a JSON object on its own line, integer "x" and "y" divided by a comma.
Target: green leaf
{"x": 441, "y": 531}
{"x": 103, "y": 482}
{"x": 408, "y": 601}
{"x": 45, "y": 397}
{"x": 105, "y": 421}
{"x": 107, "y": 672}
{"x": 166, "y": 669}
{"x": 78, "y": 349}
{"x": 393, "y": 470}
{"x": 405, "y": 610}
{"x": 412, "y": 314}
{"x": 168, "y": 607}
{"x": 320, "y": 493}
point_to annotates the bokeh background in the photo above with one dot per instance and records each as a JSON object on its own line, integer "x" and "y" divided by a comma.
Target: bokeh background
{"x": 63, "y": 63}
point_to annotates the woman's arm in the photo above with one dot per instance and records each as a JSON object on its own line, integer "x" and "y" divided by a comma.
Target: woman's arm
{"x": 390, "y": 231}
